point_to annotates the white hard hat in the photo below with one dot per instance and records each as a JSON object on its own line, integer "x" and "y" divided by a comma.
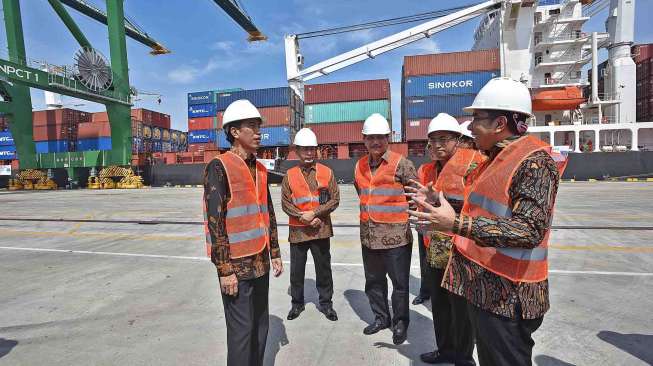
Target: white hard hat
{"x": 376, "y": 124}
{"x": 305, "y": 137}
{"x": 464, "y": 129}
{"x": 444, "y": 122}
{"x": 239, "y": 110}
{"x": 504, "y": 94}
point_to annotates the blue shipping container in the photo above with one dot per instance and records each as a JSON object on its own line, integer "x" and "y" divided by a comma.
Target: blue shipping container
{"x": 548, "y": 2}
{"x": 446, "y": 84}
{"x": 202, "y": 110}
{"x": 429, "y": 107}
{"x": 205, "y": 97}
{"x": 6, "y": 139}
{"x": 7, "y": 152}
{"x": 201, "y": 136}
{"x": 157, "y": 146}
{"x": 51, "y": 146}
{"x": 98, "y": 143}
{"x": 270, "y": 136}
{"x": 271, "y": 97}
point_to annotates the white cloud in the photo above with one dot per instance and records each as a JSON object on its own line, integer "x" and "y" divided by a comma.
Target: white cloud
{"x": 428, "y": 45}
{"x": 222, "y": 46}
{"x": 363, "y": 36}
{"x": 186, "y": 74}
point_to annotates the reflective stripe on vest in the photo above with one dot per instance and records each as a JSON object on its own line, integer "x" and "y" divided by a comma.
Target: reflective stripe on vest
{"x": 489, "y": 197}
{"x": 302, "y": 196}
{"x": 247, "y": 219}
{"x": 382, "y": 198}
{"x": 427, "y": 173}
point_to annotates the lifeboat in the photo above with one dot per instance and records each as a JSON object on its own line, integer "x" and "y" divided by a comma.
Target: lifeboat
{"x": 569, "y": 97}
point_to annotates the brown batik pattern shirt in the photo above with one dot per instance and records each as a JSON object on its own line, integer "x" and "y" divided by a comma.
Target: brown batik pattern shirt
{"x": 376, "y": 235}
{"x": 299, "y": 234}
{"x": 533, "y": 190}
{"x": 216, "y": 195}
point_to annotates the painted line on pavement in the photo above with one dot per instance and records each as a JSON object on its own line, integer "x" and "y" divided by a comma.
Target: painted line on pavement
{"x": 335, "y": 264}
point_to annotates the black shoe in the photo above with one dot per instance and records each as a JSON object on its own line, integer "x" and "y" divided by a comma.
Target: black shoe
{"x": 437, "y": 358}
{"x": 429, "y": 357}
{"x": 329, "y": 313}
{"x": 295, "y": 311}
{"x": 420, "y": 299}
{"x": 399, "y": 333}
{"x": 375, "y": 327}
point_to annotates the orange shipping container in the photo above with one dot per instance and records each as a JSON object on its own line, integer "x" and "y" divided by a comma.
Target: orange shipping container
{"x": 346, "y": 132}
{"x": 443, "y": 63}
{"x": 94, "y": 129}
{"x": 401, "y": 148}
{"x": 272, "y": 116}
{"x": 59, "y": 116}
{"x": 415, "y": 129}
{"x": 54, "y": 132}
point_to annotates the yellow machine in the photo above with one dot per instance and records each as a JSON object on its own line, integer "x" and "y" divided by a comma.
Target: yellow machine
{"x": 105, "y": 180}
{"x": 30, "y": 179}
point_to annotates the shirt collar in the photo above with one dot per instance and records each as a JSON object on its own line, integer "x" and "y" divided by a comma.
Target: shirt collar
{"x": 499, "y": 146}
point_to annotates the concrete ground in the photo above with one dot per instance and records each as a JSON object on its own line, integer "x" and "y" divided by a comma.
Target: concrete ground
{"x": 99, "y": 293}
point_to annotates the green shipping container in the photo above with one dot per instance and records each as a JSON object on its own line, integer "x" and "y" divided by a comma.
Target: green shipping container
{"x": 345, "y": 111}
{"x": 79, "y": 159}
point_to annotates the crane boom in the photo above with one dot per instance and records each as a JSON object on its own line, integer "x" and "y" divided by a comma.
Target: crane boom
{"x": 242, "y": 19}
{"x": 131, "y": 30}
{"x": 296, "y": 74}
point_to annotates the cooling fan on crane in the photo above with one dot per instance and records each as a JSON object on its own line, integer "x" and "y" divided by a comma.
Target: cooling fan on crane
{"x": 92, "y": 69}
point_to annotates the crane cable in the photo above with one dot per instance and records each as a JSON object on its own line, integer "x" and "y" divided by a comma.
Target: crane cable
{"x": 383, "y": 23}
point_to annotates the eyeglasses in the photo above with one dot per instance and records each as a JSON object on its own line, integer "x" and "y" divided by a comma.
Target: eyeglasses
{"x": 441, "y": 140}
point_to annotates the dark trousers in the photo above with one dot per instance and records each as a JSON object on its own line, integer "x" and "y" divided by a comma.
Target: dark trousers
{"x": 247, "y": 320}
{"x": 395, "y": 263}
{"x": 425, "y": 279}
{"x": 501, "y": 340}
{"x": 453, "y": 329}
{"x": 320, "y": 249}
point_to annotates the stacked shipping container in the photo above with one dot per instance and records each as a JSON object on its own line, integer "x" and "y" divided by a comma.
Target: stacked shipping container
{"x": 336, "y": 111}
{"x": 56, "y": 130}
{"x": 644, "y": 82}
{"x": 7, "y": 147}
{"x": 441, "y": 83}
{"x": 281, "y": 109}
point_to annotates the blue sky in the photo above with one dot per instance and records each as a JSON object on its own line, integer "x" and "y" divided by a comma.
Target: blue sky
{"x": 210, "y": 51}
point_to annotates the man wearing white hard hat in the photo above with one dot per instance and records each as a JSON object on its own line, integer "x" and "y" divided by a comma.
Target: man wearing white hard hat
{"x": 499, "y": 259}
{"x": 241, "y": 234}
{"x": 385, "y": 233}
{"x": 309, "y": 194}
{"x": 455, "y": 157}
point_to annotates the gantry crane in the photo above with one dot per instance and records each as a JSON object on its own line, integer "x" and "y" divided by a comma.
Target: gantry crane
{"x": 92, "y": 79}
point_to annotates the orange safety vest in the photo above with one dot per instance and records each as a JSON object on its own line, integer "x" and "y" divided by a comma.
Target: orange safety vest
{"x": 247, "y": 218}
{"x": 427, "y": 173}
{"x": 488, "y": 196}
{"x": 382, "y": 199}
{"x": 302, "y": 196}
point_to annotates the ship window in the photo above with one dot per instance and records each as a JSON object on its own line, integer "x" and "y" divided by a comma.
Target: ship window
{"x": 538, "y": 58}
{"x": 547, "y": 118}
{"x": 554, "y": 11}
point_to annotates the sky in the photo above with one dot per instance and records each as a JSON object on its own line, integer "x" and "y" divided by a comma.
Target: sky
{"x": 210, "y": 51}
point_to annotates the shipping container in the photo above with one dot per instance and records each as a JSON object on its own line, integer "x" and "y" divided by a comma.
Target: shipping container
{"x": 416, "y": 129}
{"x": 157, "y": 146}
{"x": 165, "y": 135}
{"x": 202, "y": 110}
{"x": 98, "y": 143}
{"x": 7, "y": 152}
{"x": 166, "y": 146}
{"x": 54, "y": 132}
{"x": 429, "y": 107}
{"x": 202, "y": 146}
{"x": 272, "y": 116}
{"x": 137, "y": 128}
{"x": 205, "y": 97}
{"x": 271, "y": 97}
{"x": 345, "y": 111}
{"x": 43, "y": 147}
{"x": 59, "y": 116}
{"x": 270, "y": 136}
{"x": 174, "y": 136}
{"x": 447, "y": 84}
{"x": 147, "y": 132}
{"x": 6, "y": 139}
{"x": 347, "y": 132}
{"x": 201, "y": 136}
{"x": 642, "y": 52}
{"x": 137, "y": 145}
{"x": 90, "y": 130}
{"x": 347, "y": 91}
{"x": 142, "y": 114}
{"x": 443, "y": 63}
{"x": 156, "y": 134}
{"x": 203, "y": 123}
